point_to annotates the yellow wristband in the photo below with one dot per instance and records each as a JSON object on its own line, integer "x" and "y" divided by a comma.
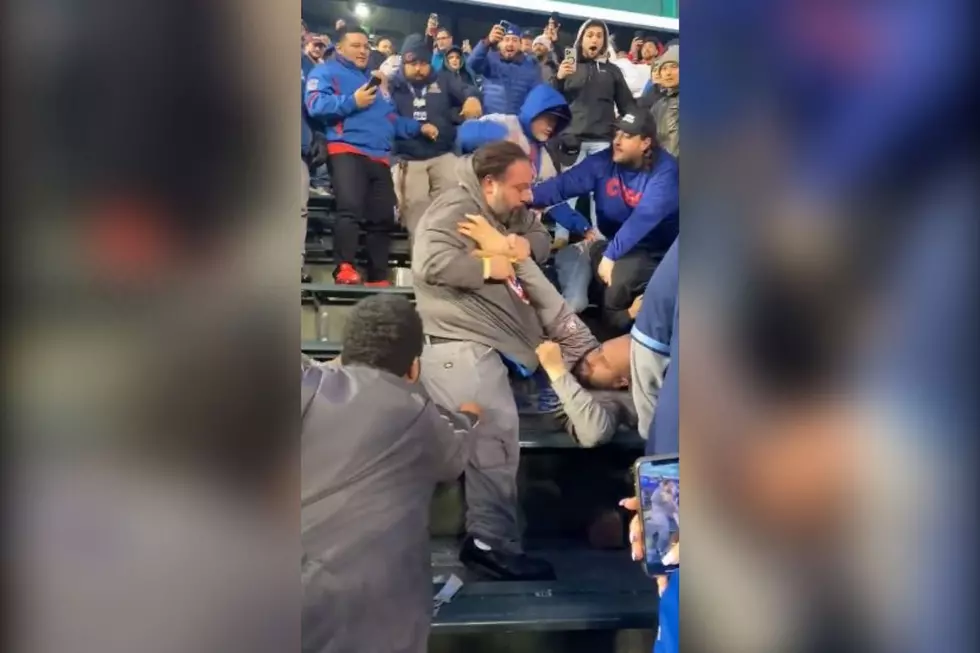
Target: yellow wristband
{"x": 486, "y": 268}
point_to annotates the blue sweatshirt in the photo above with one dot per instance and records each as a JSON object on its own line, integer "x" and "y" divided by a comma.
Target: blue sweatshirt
{"x": 668, "y": 635}
{"x": 370, "y": 131}
{"x": 541, "y": 99}
{"x": 505, "y": 83}
{"x": 633, "y": 207}
{"x": 654, "y": 323}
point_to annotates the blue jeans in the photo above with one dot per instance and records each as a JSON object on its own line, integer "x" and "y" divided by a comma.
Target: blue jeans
{"x": 573, "y": 264}
{"x": 586, "y": 149}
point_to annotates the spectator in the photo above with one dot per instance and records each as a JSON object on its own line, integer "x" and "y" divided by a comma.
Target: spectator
{"x": 361, "y": 128}
{"x": 508, "y": 74}
{"x": 385, "y": 46}
{"x": 426, "y": 164}
{"x": 455, "y": 63}
{"x": 472, "y": 308}
{"x": 527, "y": 41}
{"x": 440, "y": 41}
{"x": 544, "y": 115}
{"x": 651, "y": 336}
{"x": 595, "y": 89}
{"x": 637, "y": 203}
{"x": 637, "y": 75}
{"x": 645, "y": 50}
{"x": 377, "y": 56}
{"x": 663, "y": 103}
{"x": 367, "y": 579}
{"x": 315, "y": 155}
{"x": 541, "y": 49}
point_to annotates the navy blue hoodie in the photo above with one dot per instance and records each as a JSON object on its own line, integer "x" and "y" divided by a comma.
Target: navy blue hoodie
{"x": 436, "y": 100}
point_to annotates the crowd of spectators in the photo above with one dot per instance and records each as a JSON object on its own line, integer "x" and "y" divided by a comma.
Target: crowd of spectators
{"x": 481, "y": 152}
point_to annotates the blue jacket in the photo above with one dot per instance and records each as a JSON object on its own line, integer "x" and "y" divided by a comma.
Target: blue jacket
{"x": 655, "y": 322}
{"x": 542, "y": 98}
{"x": 371, "y": 131}
{"x": 505, "y": 83}
{"x": 439, "y": 101}
{"x": 668, "y": 635}
{"x": 633, "y": 207}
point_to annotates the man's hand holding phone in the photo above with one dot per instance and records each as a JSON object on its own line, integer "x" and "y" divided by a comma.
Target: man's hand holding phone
{"x": 496, "y": 34}
{"x": 566, "y": 68}
{"x": 637, "y": 549}
{"x": 366, "y": 95}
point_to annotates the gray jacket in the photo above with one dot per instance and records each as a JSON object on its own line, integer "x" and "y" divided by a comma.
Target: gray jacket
{"x": 450, "y": 293}
{"x": 666, "y": 112}
{"x": 373, "y": 449}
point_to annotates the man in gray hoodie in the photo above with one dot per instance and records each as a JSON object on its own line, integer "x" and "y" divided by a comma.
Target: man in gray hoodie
{"x": 476, "y": 314}
{"x": 374, "y": 446}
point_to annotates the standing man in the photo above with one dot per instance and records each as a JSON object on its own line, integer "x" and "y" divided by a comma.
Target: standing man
{"x": 541, "y": 50}
{"x": 595, "y": 89}
{"x": 637, "y": 201}
{"x": 527, "y": 40}
{"x": 367, "y": 571}
{"x": 361, "y": 129}
{"x": 663, "y": 103}
{"x": 314, "y": 53}
{"x": 476, "y": 314}
{"x": 426, "y": 166}
{"x": 508, "y": 74}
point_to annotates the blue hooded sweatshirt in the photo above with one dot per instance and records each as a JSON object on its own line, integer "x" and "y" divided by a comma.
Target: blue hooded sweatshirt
{"x": 505, "y": 83}
{"x": 370, "y": 131}
{"x": 541, "y": 99}
{"x": 633, "y": 207}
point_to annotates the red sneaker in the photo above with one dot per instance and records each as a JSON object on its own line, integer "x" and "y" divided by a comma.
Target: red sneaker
{"x": 346, "y": 275}
{"x": 384, "y": 283}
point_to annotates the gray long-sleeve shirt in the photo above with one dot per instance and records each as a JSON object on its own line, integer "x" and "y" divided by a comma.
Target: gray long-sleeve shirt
{"x": 373, "y": 449}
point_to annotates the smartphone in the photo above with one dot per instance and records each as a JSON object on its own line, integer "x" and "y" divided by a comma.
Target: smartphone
{"x": 658, "y": 487}
{"x": 505, "y": 24}
{"x": 374, "y": 82}
{"x": 434, "y": 18}
{"x": 570, "y": 54}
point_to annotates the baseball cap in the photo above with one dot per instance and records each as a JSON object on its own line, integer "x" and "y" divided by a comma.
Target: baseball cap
{"x": 528, "y": 34}
{"x": 637, "y": 124}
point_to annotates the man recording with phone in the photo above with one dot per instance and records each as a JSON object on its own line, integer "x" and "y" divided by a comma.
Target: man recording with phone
{"x": 361, "y": 126}
{"x": 508, "y": 74}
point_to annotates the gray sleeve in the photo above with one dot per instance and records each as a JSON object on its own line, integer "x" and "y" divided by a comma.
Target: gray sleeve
{"x": 588, "y": 420}
{"x": 448, "y": 441}
{"x": 440, "y": 255}
{"x": 537, "y": 235}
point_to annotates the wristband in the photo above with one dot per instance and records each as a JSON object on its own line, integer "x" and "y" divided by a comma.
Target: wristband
{"x": 486, "y": 268}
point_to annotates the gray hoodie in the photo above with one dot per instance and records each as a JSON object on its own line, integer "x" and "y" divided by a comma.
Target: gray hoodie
{"x": 373, "y": 449}
{"x": 452, "y": 297}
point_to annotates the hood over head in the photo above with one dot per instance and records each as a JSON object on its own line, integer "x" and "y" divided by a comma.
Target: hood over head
{"x": 544, "y": 99}
{"x": 610, "y": 53}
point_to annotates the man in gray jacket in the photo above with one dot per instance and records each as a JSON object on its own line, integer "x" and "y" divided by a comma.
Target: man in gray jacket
{"x": 476, "y": 314}
{"x": 374, "y": 446}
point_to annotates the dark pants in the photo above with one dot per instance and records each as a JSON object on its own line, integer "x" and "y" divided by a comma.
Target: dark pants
{"x": 576, "y": 266}
{"x": 365, "y": 195}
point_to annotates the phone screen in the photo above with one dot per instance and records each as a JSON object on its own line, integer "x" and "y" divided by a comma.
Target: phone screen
{"x": 658, "y": 486}
{"x": 374, "y": 81}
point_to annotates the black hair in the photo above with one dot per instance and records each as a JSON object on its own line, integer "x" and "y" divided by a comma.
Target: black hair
{"x": 494, "y": 159}
{"x": 443, "y": 28}
{"x": 350, "y": 29}
{"x": 383, "y": 332}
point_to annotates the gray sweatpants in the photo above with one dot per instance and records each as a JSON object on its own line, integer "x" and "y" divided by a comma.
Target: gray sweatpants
{"x": 647, "y": 369}
{"x": 458, "y": 372}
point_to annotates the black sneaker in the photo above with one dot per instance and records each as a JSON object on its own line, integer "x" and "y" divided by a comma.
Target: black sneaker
{"x": 479, "y": 556}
